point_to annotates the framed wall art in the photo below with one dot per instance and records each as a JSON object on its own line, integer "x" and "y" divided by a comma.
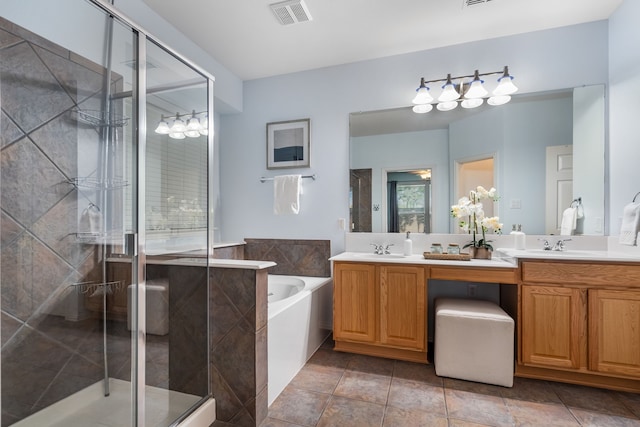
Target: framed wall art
{"x": 288, "y": 144}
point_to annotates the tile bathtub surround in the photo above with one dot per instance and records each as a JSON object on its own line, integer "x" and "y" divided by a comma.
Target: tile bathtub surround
{"x": 237, "y": 338}
{"x": 335, "y": 389}
{"x": 293, "y": 257}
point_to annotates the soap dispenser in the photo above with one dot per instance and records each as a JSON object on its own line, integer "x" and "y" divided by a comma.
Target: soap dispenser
{"x": 408, "y": 245}
{"x": 519, "y": 238}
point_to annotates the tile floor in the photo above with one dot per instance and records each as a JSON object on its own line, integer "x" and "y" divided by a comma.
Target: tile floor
{"x": 341, "y": 389}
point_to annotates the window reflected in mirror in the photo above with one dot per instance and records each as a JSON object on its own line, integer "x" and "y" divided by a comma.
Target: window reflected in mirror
{"x": 409, "y": 201}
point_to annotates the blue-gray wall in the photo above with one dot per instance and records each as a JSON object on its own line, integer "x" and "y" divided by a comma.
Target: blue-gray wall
{"x": 541, "y": 61}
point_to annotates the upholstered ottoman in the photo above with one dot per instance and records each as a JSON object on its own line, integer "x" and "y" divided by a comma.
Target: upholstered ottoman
{"x": 157, "y": 306}
{"x": 473, "y": 341}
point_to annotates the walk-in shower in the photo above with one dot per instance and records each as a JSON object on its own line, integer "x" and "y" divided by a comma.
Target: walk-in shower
{"x": 88, "y": 191}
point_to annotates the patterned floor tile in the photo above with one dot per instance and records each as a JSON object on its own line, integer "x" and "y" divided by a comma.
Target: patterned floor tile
{"x": 363, "y": 386}
{"x": 353, "y": 413}
{"x": 299, "y": 406}
{"x": 476, "y": 407}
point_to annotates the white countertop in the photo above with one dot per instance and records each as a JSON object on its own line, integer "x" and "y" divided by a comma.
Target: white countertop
{"x": 496, "y": 261}
{"x": 502, "y": 257}
{"x": 218, "y": 263}
{"x": 202, "y": 262}
{"x": 568, "y": 254}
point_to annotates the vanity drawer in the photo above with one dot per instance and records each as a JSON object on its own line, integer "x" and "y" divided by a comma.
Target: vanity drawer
{"x": 581, "y": 273}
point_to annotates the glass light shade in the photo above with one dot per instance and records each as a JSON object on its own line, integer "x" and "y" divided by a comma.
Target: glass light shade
{"x": 194, "y": 124}
{"x": 422, "y": 108}
{"x": 422, "y": 96}
{"x": 177, "y": 135}
{"x": 447, "y": 106}
{"x": 472, "y": 103}
{"x": 505, "y": 86}
{"x": 476, "y": 90}
{"x": 449, "y": 93}
{"x": 498, "y": 100}
{"x": 192, "y": 133}
{"x": 204, "y": 125}
{"x": 163, "y": 128}
{"x": 178, "y": 125}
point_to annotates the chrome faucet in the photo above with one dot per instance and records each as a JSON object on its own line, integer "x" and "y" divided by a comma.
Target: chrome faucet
{"x": 381, "y": 249}
{"x": 545, "y": 244}
{"x": 559, "y": 246}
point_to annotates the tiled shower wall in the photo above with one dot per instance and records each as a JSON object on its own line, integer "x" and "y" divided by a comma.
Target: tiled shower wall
{"x": 44, "y": 357}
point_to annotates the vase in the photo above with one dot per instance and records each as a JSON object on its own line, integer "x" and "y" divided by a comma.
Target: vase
{"x": 480, "y": 253}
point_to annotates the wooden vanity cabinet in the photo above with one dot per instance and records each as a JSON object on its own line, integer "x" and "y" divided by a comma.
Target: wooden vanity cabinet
{"x": 554, "y": 324}
{"x": 354, "y": 302}
{"x": 614, "y": 331}
{"x": 580, "y": 322}
{"x": 380, "y": 310}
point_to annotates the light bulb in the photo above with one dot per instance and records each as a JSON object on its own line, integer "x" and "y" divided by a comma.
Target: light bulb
{"x": 422, "y": 108}
{"x": 449, "y": 92}
{"x": 178, "y": 125}
{"x": 476, "y": 90}
{"x": 163, "y": 128}
{"x": 498, "y": 100}
{"x": 472, "y": 103}
{"x": 422, "y": 94}
{"x": 192, "y": 133}
{"x": 505, "y": 84}
{"x": 177, "y": 135}
{"x": 204, "y": 124}
{"x": 194, "y": 124}
{"x": 447, "y": 106}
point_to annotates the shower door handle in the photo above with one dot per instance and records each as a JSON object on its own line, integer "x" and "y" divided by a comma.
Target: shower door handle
{"x": 131, "y": 244}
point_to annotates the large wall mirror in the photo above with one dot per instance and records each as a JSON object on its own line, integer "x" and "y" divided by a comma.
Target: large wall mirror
{"x": 541, "y": 152}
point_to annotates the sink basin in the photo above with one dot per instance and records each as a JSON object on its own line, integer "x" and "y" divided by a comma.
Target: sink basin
{"x": 385, "y": 256}
{"x": 567, "y": 253}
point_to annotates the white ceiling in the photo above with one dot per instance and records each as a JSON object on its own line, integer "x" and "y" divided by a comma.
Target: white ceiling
{"x": 246, "y": 37}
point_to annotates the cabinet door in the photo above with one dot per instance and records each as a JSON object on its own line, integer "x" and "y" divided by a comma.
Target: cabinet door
{"x": 402, "y": 306}
{"x": 354, "y": 302}
{"x": 553, "y": 326}
{"x": 614, "y": 331}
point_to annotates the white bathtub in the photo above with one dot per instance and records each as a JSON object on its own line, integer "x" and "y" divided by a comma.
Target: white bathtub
{"x": 300, "y": 319}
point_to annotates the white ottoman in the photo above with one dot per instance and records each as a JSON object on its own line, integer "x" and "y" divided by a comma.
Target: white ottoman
{"x": 157, "y": 306}
{"x": 473, "y": 341}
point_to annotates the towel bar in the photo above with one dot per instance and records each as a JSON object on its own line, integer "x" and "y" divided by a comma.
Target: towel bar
{"x": 263, "y": 179}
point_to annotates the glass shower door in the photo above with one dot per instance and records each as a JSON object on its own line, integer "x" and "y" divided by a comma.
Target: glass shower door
{"x": 68, "y": 185}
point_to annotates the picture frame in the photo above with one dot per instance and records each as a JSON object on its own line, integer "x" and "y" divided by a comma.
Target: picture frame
{"x": 288, "y": 144}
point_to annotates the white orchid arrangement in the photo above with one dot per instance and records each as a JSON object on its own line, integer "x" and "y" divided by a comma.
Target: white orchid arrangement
{"x": 472, "y": 219}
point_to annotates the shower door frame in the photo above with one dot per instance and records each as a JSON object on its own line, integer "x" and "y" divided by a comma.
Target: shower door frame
{"x": 139, "y": 94}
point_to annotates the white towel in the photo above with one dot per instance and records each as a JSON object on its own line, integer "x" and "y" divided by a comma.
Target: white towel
{"x": 569, "y": 218}
{"x": 630, "y": 224}
{"x": 286, "y": 194}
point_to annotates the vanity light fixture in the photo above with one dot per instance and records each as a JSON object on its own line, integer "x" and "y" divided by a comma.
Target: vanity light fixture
{"x": 175, "y": 126}
{"x": 470, "y": 92}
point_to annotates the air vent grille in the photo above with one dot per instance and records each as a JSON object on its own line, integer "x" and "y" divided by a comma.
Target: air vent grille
{"x": 291, "y": 12}
{"x": 468, "y": 3}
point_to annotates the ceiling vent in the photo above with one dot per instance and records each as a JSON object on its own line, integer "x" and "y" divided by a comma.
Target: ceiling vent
{"x": 468, "y": 3}
{"x": 291, "y": 12}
